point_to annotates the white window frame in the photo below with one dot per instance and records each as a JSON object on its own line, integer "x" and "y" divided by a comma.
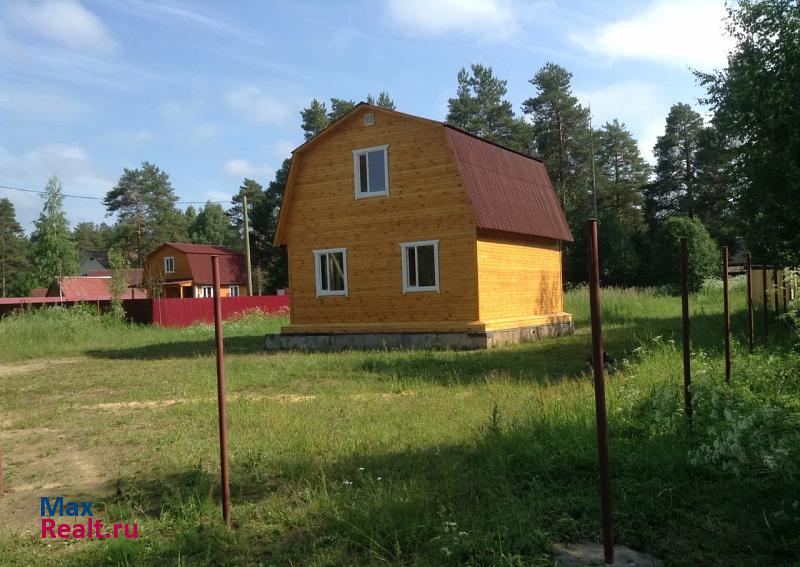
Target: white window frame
{"x": 172, "y": 260}
{"x": 404, "y": 246}
{"x": 230, "y": 291}
{"x": 357, "y": 171}
{"x": 318, "y": 254}
{"x": 203, "y": 289}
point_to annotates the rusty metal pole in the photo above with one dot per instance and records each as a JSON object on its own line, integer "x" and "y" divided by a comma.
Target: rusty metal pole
{"x": 600, "y": 392}
{"x": 751, "y": 335}
{"x": 687, "y": 362}
{"x": 221, "y": 401}
{"x": 766, "y": 300}
{"x": 726, "y": 308}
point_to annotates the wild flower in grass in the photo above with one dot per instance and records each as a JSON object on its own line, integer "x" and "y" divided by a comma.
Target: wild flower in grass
{"x": 347, "y": 482}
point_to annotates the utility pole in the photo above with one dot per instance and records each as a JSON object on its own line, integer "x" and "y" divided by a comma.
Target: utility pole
{"x": 591, "y": 148}
{"x": 247, "y": 246}
{"x": 3, "y": 239}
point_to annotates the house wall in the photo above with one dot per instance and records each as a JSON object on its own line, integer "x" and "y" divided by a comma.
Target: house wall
{"x": 519, "y": 281}
{"x": 154, "y": 264}
{"x": 427, "y": 201}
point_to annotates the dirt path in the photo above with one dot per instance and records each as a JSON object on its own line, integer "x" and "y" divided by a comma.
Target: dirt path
{"x": 44, "y": 462}
{"x": 36, "y": 365}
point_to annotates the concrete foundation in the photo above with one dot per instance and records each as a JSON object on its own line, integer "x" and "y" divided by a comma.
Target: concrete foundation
{"x": 411, "y": 341}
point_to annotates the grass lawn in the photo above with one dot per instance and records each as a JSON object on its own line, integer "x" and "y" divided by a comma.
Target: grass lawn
{"x": 423, "y": 458}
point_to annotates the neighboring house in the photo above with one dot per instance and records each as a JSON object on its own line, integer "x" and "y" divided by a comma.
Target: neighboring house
{"x": 184, "y": 270}
{"x": 92, "y": 260}
{"x": 88, "y": 288}
{"x": 135, "y": 276}
{"x": 399, "y": 224}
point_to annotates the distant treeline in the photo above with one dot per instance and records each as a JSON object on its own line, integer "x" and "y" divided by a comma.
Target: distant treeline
{"x": 735, "y": 175}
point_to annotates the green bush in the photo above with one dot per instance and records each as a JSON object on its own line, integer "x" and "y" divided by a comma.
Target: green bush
{"x": 704, "y": 256}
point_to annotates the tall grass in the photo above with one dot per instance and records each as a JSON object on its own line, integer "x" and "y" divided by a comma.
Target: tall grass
{"x": 433, "y": 458}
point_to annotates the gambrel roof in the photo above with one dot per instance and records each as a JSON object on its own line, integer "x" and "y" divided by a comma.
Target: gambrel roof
{"x": 509, "y": 191}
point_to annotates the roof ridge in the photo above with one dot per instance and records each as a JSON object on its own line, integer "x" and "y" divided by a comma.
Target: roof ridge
{"x": 501, "y": 146}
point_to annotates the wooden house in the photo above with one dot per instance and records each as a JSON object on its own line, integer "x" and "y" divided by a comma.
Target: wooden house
{"x": 407, "y": 231}
{"x": 184, "y": 270}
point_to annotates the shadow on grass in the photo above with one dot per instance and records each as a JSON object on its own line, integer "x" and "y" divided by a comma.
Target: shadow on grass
{"x": 501, "y": 498}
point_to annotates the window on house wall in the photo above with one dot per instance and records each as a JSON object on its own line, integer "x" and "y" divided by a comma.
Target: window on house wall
{"x": 371, "y": 169}
{"x": 331, "y": 271}
{"x": 207, "y": 291}
{"x": 233, "y": 291}
{"x": 420, "y": 266}
{"x": 169, "y": 265}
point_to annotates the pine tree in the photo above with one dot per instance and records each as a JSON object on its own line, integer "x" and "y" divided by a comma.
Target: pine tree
{"x": 91, "y": 236}
{"x": 255, "y": 194}
{"x": 673, "y": 191}
{"x": 144, "y": 202}
{"x": 624, "y": 173}
{"x": 339, "y": 107}
{"x": 54, "y": 252}
{"x": 14, "y": 249}
{"x": 561, "y": 136}
{"x": 480, "y": 108}
{"x": 383, "y": 100}
{"x": 315, "y": 119}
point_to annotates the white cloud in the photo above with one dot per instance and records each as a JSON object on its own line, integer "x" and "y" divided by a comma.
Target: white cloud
{"x": 486, "y": 19}
{"x": 675, "y": 32}
{"x": 255, "y": 105}
{"x": 72, "y": 165}
{"x": 66, "y": 22}
{"x": 36, "y": 105}
{"x": 203, "y": 133}
{"x": 638, "y": 104}
{"x": 243, "y": 168}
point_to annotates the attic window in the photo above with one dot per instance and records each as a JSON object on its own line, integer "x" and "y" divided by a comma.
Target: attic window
{"x": 169, "y": 264}
{"x": 369, "y": 119}
{"x": 371, "y": 171}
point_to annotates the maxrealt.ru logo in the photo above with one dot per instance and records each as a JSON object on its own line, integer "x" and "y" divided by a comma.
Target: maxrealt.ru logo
{"x": 91, "y": 529}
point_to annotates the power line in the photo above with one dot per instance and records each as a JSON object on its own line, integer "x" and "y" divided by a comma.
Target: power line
{"x": 92, "y": 198}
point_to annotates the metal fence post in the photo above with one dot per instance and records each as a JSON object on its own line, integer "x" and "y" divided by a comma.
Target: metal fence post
{"x": 687, "y": 362}
{"x": 599, "y": 391}
{"x": 727, "y": 313}
{"x": 750, "y": 322}
{"x": 221, "y": 400}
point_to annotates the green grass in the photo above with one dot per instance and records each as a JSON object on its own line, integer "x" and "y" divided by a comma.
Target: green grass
{"x": 424, "y": 458}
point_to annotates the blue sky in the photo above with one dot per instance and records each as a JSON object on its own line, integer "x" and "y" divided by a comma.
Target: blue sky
{"x": 211, "y": 91}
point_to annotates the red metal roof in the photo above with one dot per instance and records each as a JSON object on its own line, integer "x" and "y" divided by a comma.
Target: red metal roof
{"x": 85, "y": 288}
{"x": 232, "y": 269}
{"x": 202, "y": 249}
{"x": 510, "y": 192}
{"x": 135, "y": 275}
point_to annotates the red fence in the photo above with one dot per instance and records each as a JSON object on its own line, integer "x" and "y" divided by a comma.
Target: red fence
{"x": 164, "y": 312}
{"x": 184, "y": 312}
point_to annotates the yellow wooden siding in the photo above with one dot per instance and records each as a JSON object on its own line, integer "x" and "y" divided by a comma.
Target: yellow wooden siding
{"x": 427, "y": 201}
{"x": 782, "y": 288}
{"x": 519, "y": 281}
{"x": 154, "y": 264}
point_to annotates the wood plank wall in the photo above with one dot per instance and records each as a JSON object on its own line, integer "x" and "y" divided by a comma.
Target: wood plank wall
{"x": 426, "y": 201}
{"x": 519, "y": 278}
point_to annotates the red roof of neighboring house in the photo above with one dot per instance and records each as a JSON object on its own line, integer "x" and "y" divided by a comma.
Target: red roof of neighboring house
{"x": 38, "y": 292}
{"x": 86, "y": 288}
{"x": 135, "y": 275}
{"x": 202, "y": 249}
{"x": 510, "y": 192}
{"x": 232, "y": 268}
